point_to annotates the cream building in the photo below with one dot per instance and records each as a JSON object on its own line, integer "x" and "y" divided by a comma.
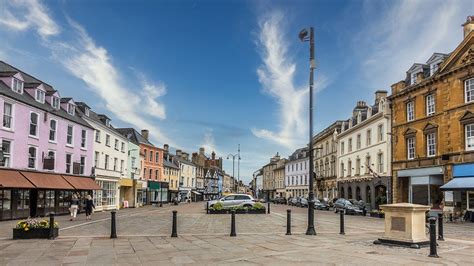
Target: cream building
{"x": 110, "y": 159}
{"x": 187, "y": 181}
{"x": 279, "y": 175}
{"x": 297, "y": 174}
{"x": 269, "y": 188}
{"x": 364, "y": 153}
{"x": 325, "y": 159}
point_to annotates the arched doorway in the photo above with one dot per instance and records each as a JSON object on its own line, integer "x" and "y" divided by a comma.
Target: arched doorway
{"x": 368, "y": 195}
{"x": 342, "y": 193}
{"x": 349, "y": 193}
{"x": 380, "y": 195}
{"x": 358, "y": 196}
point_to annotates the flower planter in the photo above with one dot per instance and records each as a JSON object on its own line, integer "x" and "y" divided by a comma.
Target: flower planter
{"x": 381, "y": 215}
{"x": 249, "y": 211}
{"x": 34, "y": 233}
{"x": 374, "y": 214}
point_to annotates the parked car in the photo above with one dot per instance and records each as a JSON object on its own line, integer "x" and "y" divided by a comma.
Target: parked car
{"x": 234, "y": 200}
{"x": 320, "y": 205}
{"x": 279, "y": 200}
{"x": 293, "y": 201}
{"x": 302, "y": 202}
{"x": 343, "y": 205}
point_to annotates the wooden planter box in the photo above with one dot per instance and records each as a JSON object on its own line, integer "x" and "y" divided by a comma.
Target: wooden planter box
{"x": 34, "y": 233}
{"x": 260, "y": 211}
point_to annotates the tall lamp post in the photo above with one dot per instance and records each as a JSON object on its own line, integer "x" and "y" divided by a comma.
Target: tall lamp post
{"x": 303, "y": 35}
{"x": 233, "y": 167}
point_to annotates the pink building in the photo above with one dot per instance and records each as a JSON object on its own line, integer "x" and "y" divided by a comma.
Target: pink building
{"x": 40, "y": 132}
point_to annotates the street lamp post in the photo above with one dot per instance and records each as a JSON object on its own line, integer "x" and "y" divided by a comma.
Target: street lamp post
{"x": 233, "y": 166}
{"x": 303, "y": 35}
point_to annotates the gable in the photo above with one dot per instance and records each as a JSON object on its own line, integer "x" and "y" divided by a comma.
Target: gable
{"x": 415, "y": 68}
{"x": 410, "y": 132}
{"x": 462, "y": 55}
{"x": 467, "y": 118}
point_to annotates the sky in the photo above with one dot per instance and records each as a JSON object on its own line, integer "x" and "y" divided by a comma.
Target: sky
{"x": 217, "y": 74}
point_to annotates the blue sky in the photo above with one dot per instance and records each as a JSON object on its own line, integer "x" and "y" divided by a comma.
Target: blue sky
{"x": 220, "y": 73}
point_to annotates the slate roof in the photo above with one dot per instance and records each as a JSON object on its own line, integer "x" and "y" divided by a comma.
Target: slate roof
{"x": 10, "y": 71}
{"x": 135, "y": 137}
{"x": 93, "y": 116}
{"x": 29, "y": 100}
{"x": 170, "y": 164}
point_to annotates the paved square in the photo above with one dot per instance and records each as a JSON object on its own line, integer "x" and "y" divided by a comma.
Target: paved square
{"x": 144, "y": 238}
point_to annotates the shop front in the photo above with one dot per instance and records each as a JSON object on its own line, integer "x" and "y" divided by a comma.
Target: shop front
{"x": 157, "y": 192}
{"x": 422, "y": 185}
{"x": 32, "y": 194}
{"x": 184, "y": 194}
{"x": 141, "y": 186}
{"x": 172, "y": 195}
{"x": 127, "y": 195}
{"x": 459, "y": 192}
{"x": 107, "y": 197}
{"x": 374, "y": 191}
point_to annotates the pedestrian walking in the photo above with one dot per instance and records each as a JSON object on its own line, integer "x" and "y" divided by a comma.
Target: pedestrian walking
{"x": 74, "y": 206}
{"x": 89, "y": 207}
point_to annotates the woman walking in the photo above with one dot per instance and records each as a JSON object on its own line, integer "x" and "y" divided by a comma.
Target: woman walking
{"x": 74, "y": 206}
{"x": 89, "y": 207}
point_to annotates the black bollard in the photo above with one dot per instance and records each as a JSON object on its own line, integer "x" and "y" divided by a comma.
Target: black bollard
{"x": 288, "y": 222}
{"x": 113, "y": 226}
{"x": 174, "y": 231}
{"x": 268, "y": 204}
{"x": 451, "y": 217}
{"x": 440, "y": 227}
{"x": 51, "y": 226}
{"x": 232, "y": 223}
{"x": 433, "y": 252}
{"x": 341, "y": 223}
{"x": 207, "y": 207}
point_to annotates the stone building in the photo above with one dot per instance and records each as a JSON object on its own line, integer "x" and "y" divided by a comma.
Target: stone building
{"x": 279, "y": 175}
{"x": 269, "y": 178}
{"x": 325, "y": 158}
{"x": 433, "y": 129}
{"x": 364, "y": 153}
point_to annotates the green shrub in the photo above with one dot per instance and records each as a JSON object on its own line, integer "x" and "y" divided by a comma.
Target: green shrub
{"x": 218, "y": 206}
{"x": 258, "y": 206}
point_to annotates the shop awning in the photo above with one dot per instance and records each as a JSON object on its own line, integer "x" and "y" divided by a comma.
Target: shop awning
{"x": 153, "y": 185}
{"x": 126, "y": 182}
{"x": 13, "y": 179}
{"x": 195, "y": 192}
{"x": 82, "y": 183}
{"x": 459, "y": 184}
{"x": 47, "y": 181}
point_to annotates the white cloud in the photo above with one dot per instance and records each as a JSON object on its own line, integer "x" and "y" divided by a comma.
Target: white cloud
{"x": 92, "y": 64}
{"x": 276, "y": 76}
{"x": 405, "y": 33}
{"x": 209, "y": 143}
{"x": 20, "y": 15}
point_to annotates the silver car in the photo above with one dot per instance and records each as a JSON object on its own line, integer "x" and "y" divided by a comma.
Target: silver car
{"x": 234, "y": 200}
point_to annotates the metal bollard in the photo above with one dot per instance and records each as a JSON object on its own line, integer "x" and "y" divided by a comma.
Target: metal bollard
{"x": 232, "y": 223}
{"x": 433, "y": 251}
{"x": 288, "y": 222}
{"x": 440, "y": 227}
{"x": 51, "y": 226}
{"x": 268, "y": 208}
{"x": 113, "y": 226}
{"x": 174, "y": 230}
{"x": 341, "y": 223}
{"x": 207, "y": 207}
{"x": 451, "y": 217}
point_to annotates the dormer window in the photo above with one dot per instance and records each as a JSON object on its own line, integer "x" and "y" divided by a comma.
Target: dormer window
{"x": 70, "y": 108}
{"x": 55, "y": 102}
{"x": 434, "y": 68}
{"x": 413, "y": 78}
{"x": 107, "y": 122}
{"x": 17, "y": 85}
{"x": 39, "y": 95}
{"x": 86, "y": 111}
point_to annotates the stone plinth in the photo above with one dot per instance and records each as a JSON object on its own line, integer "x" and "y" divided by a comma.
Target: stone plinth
{"x": 405, "y": 224}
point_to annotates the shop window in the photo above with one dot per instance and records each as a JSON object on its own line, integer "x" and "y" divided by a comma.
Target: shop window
{"x": 5, "y": 199}
{"x": 64, "y": 198}
{"x": 49, "y": 198}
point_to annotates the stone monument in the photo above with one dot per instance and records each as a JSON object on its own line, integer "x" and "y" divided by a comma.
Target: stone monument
{"x": 405, "y": 225}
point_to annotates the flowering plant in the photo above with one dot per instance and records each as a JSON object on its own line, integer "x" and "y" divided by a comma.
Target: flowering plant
{"x": 34, "y": 223}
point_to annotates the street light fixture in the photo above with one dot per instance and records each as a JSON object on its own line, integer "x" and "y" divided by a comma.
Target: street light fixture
{"x": 303, "y": 36}
{"x": 233, "y": 167}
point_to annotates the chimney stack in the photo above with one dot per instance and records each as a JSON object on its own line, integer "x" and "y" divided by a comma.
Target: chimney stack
{"x": 213, "y": 155}
{"x": 468, "y": 26}
{"x": 201, "y": 151}
{"x": 145, "y": 133}
{"x": 166, "y": 148}
{"x": 380, "y": 94}
{"x": 178, "y": 153}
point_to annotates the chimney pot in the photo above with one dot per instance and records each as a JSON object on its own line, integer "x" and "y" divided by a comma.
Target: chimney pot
{"x": 145, "y": 133}
{"x": 213, "y": 155}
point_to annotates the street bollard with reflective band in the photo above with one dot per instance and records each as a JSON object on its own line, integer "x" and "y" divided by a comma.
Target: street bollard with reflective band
{"x": 433, "y": 251}
{"x": 113, "y": 226}
{"x": 51, "y": 226}
{"x": 341, "y": 223}
{"x": 268, "y": 204}
{"x": 232, "y": 223}
{"x": 174, "y": 230}
{"x": 288, "y": 222}
{"x": 440, "y": 227}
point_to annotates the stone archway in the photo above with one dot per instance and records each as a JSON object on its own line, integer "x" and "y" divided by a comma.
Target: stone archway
{"x": 358, "y": 194}
{"x": 349, "y": 193}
